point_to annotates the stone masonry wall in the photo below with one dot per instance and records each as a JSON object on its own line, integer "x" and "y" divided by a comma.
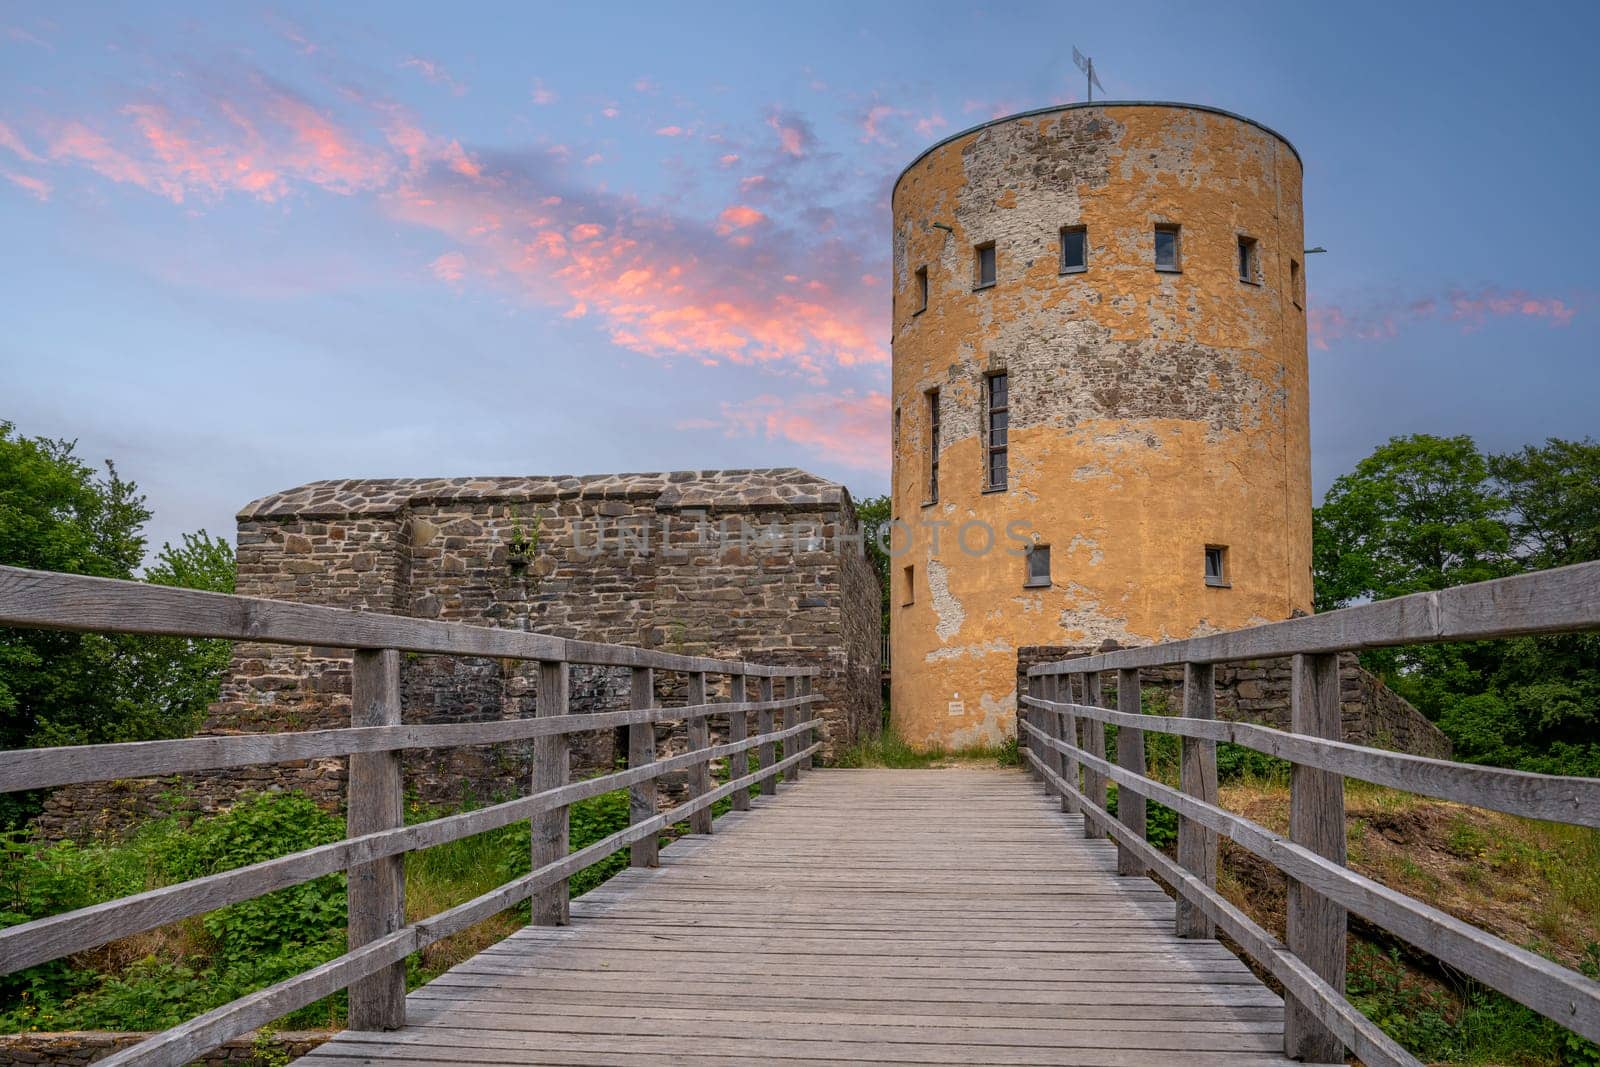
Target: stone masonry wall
{"x": 1258, "y": 691}
{"x": 670, "y": 561}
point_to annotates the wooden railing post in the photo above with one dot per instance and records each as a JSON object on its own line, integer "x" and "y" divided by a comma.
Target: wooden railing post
{"x": 738, "y": 730}
{"x": 1024, "y": 742}
{"x": 552, "y": 768}
{"x": 1197, "y": 846}
{"x": 809, "y": 737}
{"x": 1067, "y": 730}
{"x": 1130, "y": 757}
{"x": 1050, "y": 689}
{"x": 792, "y": 717}
{"x": 641, "y": 752}
{"x": 699, "y": 731}
{"x": 766, "y": 753}
{"x": 1316, "y": 925}
{"x": 376, "y": 801}
{"x": 1094, "y": 743}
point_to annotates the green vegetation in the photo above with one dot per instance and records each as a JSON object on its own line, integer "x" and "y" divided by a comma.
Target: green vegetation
{"x": 163, "y": 977}
{"x": 872, "y": 512}
{"x": 889, "y": 749}
{"x": 1425, "y": 513}
{"x": 56, "y": 688}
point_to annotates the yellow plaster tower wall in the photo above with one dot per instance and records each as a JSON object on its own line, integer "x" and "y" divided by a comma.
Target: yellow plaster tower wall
{"x": 1152, "y": 413}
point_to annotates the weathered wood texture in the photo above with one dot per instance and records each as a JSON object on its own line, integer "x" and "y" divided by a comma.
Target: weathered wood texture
{"x": 764, "y": 725}
{"x": 699, "y": 737}
{"x": 738, "y": 730}
{"x": 993, "y": 934}
{"x": 1130, "y": 757}
{"x": 1094, "y": 742}
{"x": 552, "y": 769}
{"x": 376, "y": 801}
{"x": 642, "y": 753}
{"x": 1554, "y": 601}
{"x": 46, "y": 600}
{"x": 1197, "y": 776}
{"x": 1316, "y": 925}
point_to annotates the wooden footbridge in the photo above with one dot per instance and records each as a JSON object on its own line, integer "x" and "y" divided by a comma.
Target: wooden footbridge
{"x": 834, "y": 916}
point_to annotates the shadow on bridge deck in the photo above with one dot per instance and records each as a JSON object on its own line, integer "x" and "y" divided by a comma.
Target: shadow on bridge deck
{"x": 890, "y": 917}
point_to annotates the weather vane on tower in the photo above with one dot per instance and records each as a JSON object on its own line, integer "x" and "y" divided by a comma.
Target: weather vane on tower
{"x": 1086, "y": 65}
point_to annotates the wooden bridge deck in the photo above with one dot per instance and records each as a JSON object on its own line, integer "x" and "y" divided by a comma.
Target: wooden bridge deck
{"x": 890, "y": 917}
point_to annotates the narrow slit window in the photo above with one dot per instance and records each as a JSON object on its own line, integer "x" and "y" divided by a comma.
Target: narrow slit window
{"x": 1247, "y": 260}
{"x": 997, "y": 426}
{"x": 908, "y": 588}
{"x": 922, "y": 290}
{"x": 1168, "y": 253}
{"x": 933, "y": 446}
{"x": 1038, "y": 567}
{"x": 985, "y": 265}
{"x": 1294, "y": 282}
{"x": 1074, "y": 249}
{"x": 1217, "y": 565}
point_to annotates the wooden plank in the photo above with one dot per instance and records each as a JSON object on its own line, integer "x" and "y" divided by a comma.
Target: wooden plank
{"x": 765, "y": 754}
{"x": 806, "y": 739}
{"x": 41, "y": 940}
{"x": 1130, "y": 757}
{"x": 641, "y": 753}
{"x": 1561, "y": 600}
{"x": 738, "y": 730}
{"x": 1094, "y": 742}
{"x": 1316, "y": 925}
{"x": 552, "y": 769}
{"x": 1554, "y": 798}
{"x": 1197, "y": 845}
{"x": 1552, "y": 990}
{"x": 1363, "y": 1036}
{"x": 699, "y": 737}
{"x": 376, "y": 801}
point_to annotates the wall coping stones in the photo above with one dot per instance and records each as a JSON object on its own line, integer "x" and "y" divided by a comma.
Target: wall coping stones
{"x": 774, "y": 487}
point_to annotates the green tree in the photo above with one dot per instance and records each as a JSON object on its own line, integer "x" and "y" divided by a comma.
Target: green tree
{"x": 1553, "y": 495}
{"x": 872, "y": 513}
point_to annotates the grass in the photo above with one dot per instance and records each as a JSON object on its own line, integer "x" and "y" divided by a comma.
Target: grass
{"x": 891, "y": 750}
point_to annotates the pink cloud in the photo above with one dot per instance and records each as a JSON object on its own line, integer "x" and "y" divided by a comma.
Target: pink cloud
{"x": 645, "y": 85}
{"x": 542, "y": 96}
{"x": 671, "y": 131}
{"x": 1332, "y": 323}
{"x": 13, "y": 144}
{"x": 872, "y": 131}
{"x": 738, "y": 217}
{"x": 35, "y": 187}
{"x": 435, "y": 73}
{"x": 847, "y": 427}
{"x": 610, "y": 111}
{"x": 450, "y": 267}
{"x": 728, "y": 160}
{"x": 928, "y": 125}
{"x": 794, "y": 133}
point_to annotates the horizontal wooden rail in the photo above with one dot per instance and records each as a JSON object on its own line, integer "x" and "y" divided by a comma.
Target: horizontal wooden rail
{"x": 183, "y": 1043}
{"x": 38, "y": 768}
{"x": 1551, "y": 797}
{"x": 60, "y": 935}
{"x": 1360, "y": 1034}
{"x": 1562, "y": 600}
{"x": 1552, "y": 990}
{"x": 46, "y": 600}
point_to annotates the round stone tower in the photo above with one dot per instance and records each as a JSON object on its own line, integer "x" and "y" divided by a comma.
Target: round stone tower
{"x": 1100, "y": 397}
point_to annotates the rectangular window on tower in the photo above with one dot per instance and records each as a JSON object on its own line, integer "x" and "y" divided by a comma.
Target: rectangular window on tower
{"x": 997, "y": 426}
{"x": 1074, "y": 249}
{"x": 908, "y": 587}
{"x": 1294, "y": 283}
{"x": 1038, "y": 567}
{"x": 1247, "y": 261}
{"x": 1217, "y": 566}
{"x": 933, "y": 446}
{"x": 983, "y": 275}
{"x": 1168, "y": 255}
{"x": 922, "y": 290}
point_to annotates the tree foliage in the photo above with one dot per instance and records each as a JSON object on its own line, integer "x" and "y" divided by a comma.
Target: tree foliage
{"x": 58, "y": 513}
{"x": 872, "y": 513}
{"x": 1425, "y": 513}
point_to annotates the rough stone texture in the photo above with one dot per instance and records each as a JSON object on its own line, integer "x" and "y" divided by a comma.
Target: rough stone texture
{"x": 1259, "y": 690}
{"x": 653, "y": 560}
{"x": 1151, "y": 413}
{"x": 75, "y": 1047}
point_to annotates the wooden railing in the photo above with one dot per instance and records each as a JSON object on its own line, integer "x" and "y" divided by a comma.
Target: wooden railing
{"x": 1064, "y": 742}
{"x": 374, "y": 850}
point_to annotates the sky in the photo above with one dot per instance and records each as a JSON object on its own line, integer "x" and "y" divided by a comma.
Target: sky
{"x": 246, "y": 247}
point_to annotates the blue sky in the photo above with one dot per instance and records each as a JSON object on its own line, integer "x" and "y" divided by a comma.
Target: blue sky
{"x": 248, "y": 247}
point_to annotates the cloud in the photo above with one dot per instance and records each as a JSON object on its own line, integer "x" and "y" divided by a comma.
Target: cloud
{"x": 671, "y": 131}
{"x": 928, "y": 125}
{"x": 450, "y": 267}
{"x": 13, "y": 144}
{"x": 434, "y": 72}
{"x": 738, "y": 217}
{"x": 728, "y": 160}
{"x": 541, "y": 95}
{"x": 795, "y": 136}
{"x": 848, "y": 427}
{"x": 35, "y": 187}
{"x": 872, "y": 124}
{"x": 1331, "y": 324}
